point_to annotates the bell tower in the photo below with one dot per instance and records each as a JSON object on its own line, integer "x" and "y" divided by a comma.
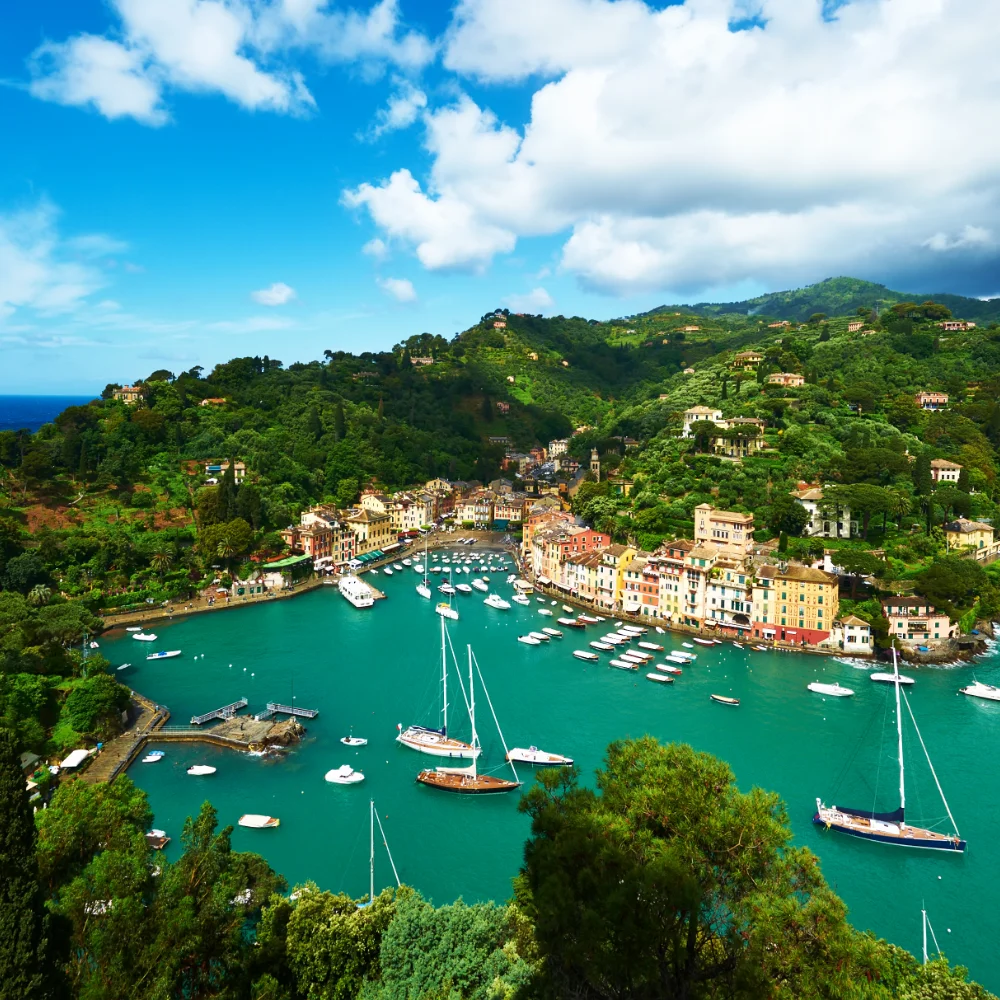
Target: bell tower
{"x": 595, "y": 464}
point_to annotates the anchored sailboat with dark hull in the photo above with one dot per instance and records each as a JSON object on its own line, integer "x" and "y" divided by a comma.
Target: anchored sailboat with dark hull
{"x": 467, "y": 780}
{"x": 891, "y": 827}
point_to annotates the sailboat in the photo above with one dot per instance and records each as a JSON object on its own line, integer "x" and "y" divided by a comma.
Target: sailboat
{"x": 444, "y": 609}
{"x": 372, "y": 820}
{"x": 422, "y": 589}
{"x": 890, "y": 827}
{"x": 467, "y": 780}
{"x": 437, "y": 742}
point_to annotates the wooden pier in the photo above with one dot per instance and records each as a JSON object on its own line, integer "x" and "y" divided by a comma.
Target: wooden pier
{"x": 226, "y": 712}
{"x": 273, "y": 708}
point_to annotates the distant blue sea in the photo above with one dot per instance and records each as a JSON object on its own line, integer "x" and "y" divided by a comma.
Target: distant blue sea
{"x": 30, "y": 412}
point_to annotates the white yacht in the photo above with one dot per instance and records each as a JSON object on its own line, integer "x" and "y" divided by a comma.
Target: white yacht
{"x": 356, "y": 591}
{"x": 496, "y": 601}
{"x": 344, "y": 775}
{"x": 979, "y": 690}
{"x": 520, "y": 599}
{"x": 532, "y": 755}
{"x": 833, "y": 690}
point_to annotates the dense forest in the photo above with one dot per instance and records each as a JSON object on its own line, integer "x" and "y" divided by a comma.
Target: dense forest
{"x": 664, "y": 882}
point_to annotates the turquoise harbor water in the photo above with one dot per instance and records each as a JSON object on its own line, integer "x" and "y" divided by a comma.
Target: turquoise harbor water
{"x": 373, "y": 669}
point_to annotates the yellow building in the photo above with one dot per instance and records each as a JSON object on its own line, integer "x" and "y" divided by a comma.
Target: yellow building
{"x": 795, "y": 603}
{"x": 729, "y": 531}
{"x": 371, "y": 530}
{"x": 972, "y": 535}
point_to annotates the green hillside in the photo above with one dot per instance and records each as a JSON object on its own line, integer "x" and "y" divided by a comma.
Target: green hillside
{"x": 837, "y": 297}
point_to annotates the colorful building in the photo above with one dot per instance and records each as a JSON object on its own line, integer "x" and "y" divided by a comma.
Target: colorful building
{"x": 794, "y": 603}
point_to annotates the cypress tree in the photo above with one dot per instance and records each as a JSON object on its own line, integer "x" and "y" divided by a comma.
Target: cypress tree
{"x": 26, "y": 964}
{"x": 339, "y": 423}
{"x": 963, "y": 481}
{"x": 922, "y": 481}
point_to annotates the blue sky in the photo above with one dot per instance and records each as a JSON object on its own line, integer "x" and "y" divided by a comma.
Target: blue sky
{"x": 184, "y": 181}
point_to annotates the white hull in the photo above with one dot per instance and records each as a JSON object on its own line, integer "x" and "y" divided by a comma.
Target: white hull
{"x": 975, "y": 690}
{"x": 355, "y": 591}
{"x": 833, "y": 690}
{"x": 435, "y": 745}
{"x": 424, "y": 591}
{"x": 446, "y": 611}
{"x": 532, "y": 755}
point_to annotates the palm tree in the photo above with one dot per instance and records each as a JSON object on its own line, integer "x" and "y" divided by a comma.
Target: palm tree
{"x": 162, "y": 561}
{"x": 225, "y": 549}
{"x": 39, "y": 595}
{"x": 900, "y": 504}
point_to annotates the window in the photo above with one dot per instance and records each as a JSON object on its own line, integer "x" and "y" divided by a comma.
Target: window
{"x": 782, "y": 621}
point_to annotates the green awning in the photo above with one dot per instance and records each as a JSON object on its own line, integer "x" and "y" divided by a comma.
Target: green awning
{"x": 286, "y": 563}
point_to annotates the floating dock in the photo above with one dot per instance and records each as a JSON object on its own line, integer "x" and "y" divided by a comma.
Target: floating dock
{"x": 226, "y": 712}
{"x": 273, "y": 708}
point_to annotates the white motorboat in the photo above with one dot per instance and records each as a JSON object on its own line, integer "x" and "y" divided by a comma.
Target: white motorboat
{"x": 165, "y": 654}
{"x": 144, "y": 637}
{"x": 463, "y": 588}
{"x": 567, "y": 609}
{"x": 344, "y": 775}
{"x": 570, "y": 622}
{"x": 133, "y": 628}
{"x": 496, "y": 601}
{"x": 896, "y": 678}
{"x": 679, "y": 660}
{"x": 615, "y": 640}
{"x": 975, "y": 690}
{"x": 582, "y": 654}
{"x": 738, "y": 645}
{"x": 409, "y": 562}
{"x": 152, "y": 758}
{"x": 124, "y": 665}
{"x": 589, "y": 619}
{"x": 660, "y": 630}
{"x": 604, "y": 647}
{"x": 445, "y": 610}
{"x": 705, "y": 642}
{"x": 255, "y": 821}
{"x": 355, "y": 591}
{"x": 627, "y": 636}
{"x": 541, "y": 636}
{"x": 201, "y": 769}
{"x": 545, "y": 611}
{"x": 353, "y": 741}
{"x": 631, "y": 658}
{"x": 398, "y": 568}
{"x": 520, "y": 599}
{"x": 481, "y": 586}
{"x": 833, "y": 690}
{"x": 387, "y": 571}
{"x": 651, "y": 645}
{"x": 529, "y": 640}
{"x": 532, "y": 755}
{"x": 554, "y": 632}
{"x": 660, "y": 678}
{"x": 638, "y": 654}
{"x": 541, "y": 600}
{"x": 446, "y": 588}
{"x": 634, "y": 629}
{"x": 669, "y": 668}
{"x": 687, "y": 645}
{"x": 418, "y": 567}
{"x": 623, "y": 665}
{"x": 682, "y": 655}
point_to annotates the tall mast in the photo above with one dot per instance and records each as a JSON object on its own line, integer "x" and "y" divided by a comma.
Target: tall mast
{"x": 371, "y": 855}
{"x": 472, "y": 711}
{"x": 923, "y": 917}
{"x": 444, "y": 683}
{"x": 899, "y": 731}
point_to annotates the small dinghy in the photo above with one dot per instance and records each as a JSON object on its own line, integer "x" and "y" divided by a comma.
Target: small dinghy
{"x": 892, "y": 679}
{"x": 833, "y": 690}
{"x": 540, "y": 636}
{"x": 397, "y": 567}
{"x": 567, "y": 609}
{"x": 705, "y": 642}
{"x": 255, "y": 821}
{"x": 532, "y": 755}
{"x": 660, "y": 678}
{"x": 353, "y": 741}
{"x": 344, "y": 775}
{"x": 725, "y": 700}
{"x": 660, "y": 630}
{"x": 200, "y": 769}
{"x": 545, "y": 611}
{"x": 687, "y": 645}
{"x": 133, "y": 628}
{"x": 738, "y": 645}
{"x": 554, "y": 632}
{"x": 604, "y": 647}
{"x": 529, "y": 640}
{"x": 124, "y": 665}
{"x": 669, "y": 668}
{"x": 583, "y": 654}
{"x": 541, "y": 600}
{"x": 651, "y": 645}
{"x": 760, "y": 649}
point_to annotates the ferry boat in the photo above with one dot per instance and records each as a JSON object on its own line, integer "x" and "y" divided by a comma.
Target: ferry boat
{"x": 975, "y": 690}
{"x": 354, "y": 590}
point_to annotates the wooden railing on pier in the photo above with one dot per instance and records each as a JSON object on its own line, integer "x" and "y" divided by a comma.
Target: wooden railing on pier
{"x": 273, "y": 708}
{"x": 226, "y": 712}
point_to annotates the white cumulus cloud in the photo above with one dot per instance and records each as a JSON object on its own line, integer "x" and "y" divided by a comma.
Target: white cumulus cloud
{"x": 401, "y": 112}
{"x": 401, "y": 289}
{"x": 277, "y": 294}
{"x": 675, "y": 152}
{"x": 536, "y": 301}
{"x": 376, "y": 248}
{"x": 242, "y": 49}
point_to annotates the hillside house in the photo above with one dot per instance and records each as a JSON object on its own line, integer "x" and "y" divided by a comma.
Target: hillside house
{"x": 931, "y": 400}
{"x": 976, "y": 536}
{"x": 729, "y": 531}
{"x": 213, "y": 401}
{"x": 698, "y": 413}
{"x": 825, "y": 520}
{"x": 943, "y": 471}
{"x": 217, "y": 470}
{"x": 788, "y": 379}
{"x": 854, "y": 325}
{"x": 914, "y": 618}
{"x": 747, "y": 360}
{"x": 956, "y": 325}
{"x": 130, "y": 394}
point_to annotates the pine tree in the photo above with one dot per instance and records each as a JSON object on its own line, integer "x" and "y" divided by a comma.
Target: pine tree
{"x": 26, "y": 963}
{"x": 922, "y": 482}
{"x": 724, "y": 395}
{"x": 314, "y": 426}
